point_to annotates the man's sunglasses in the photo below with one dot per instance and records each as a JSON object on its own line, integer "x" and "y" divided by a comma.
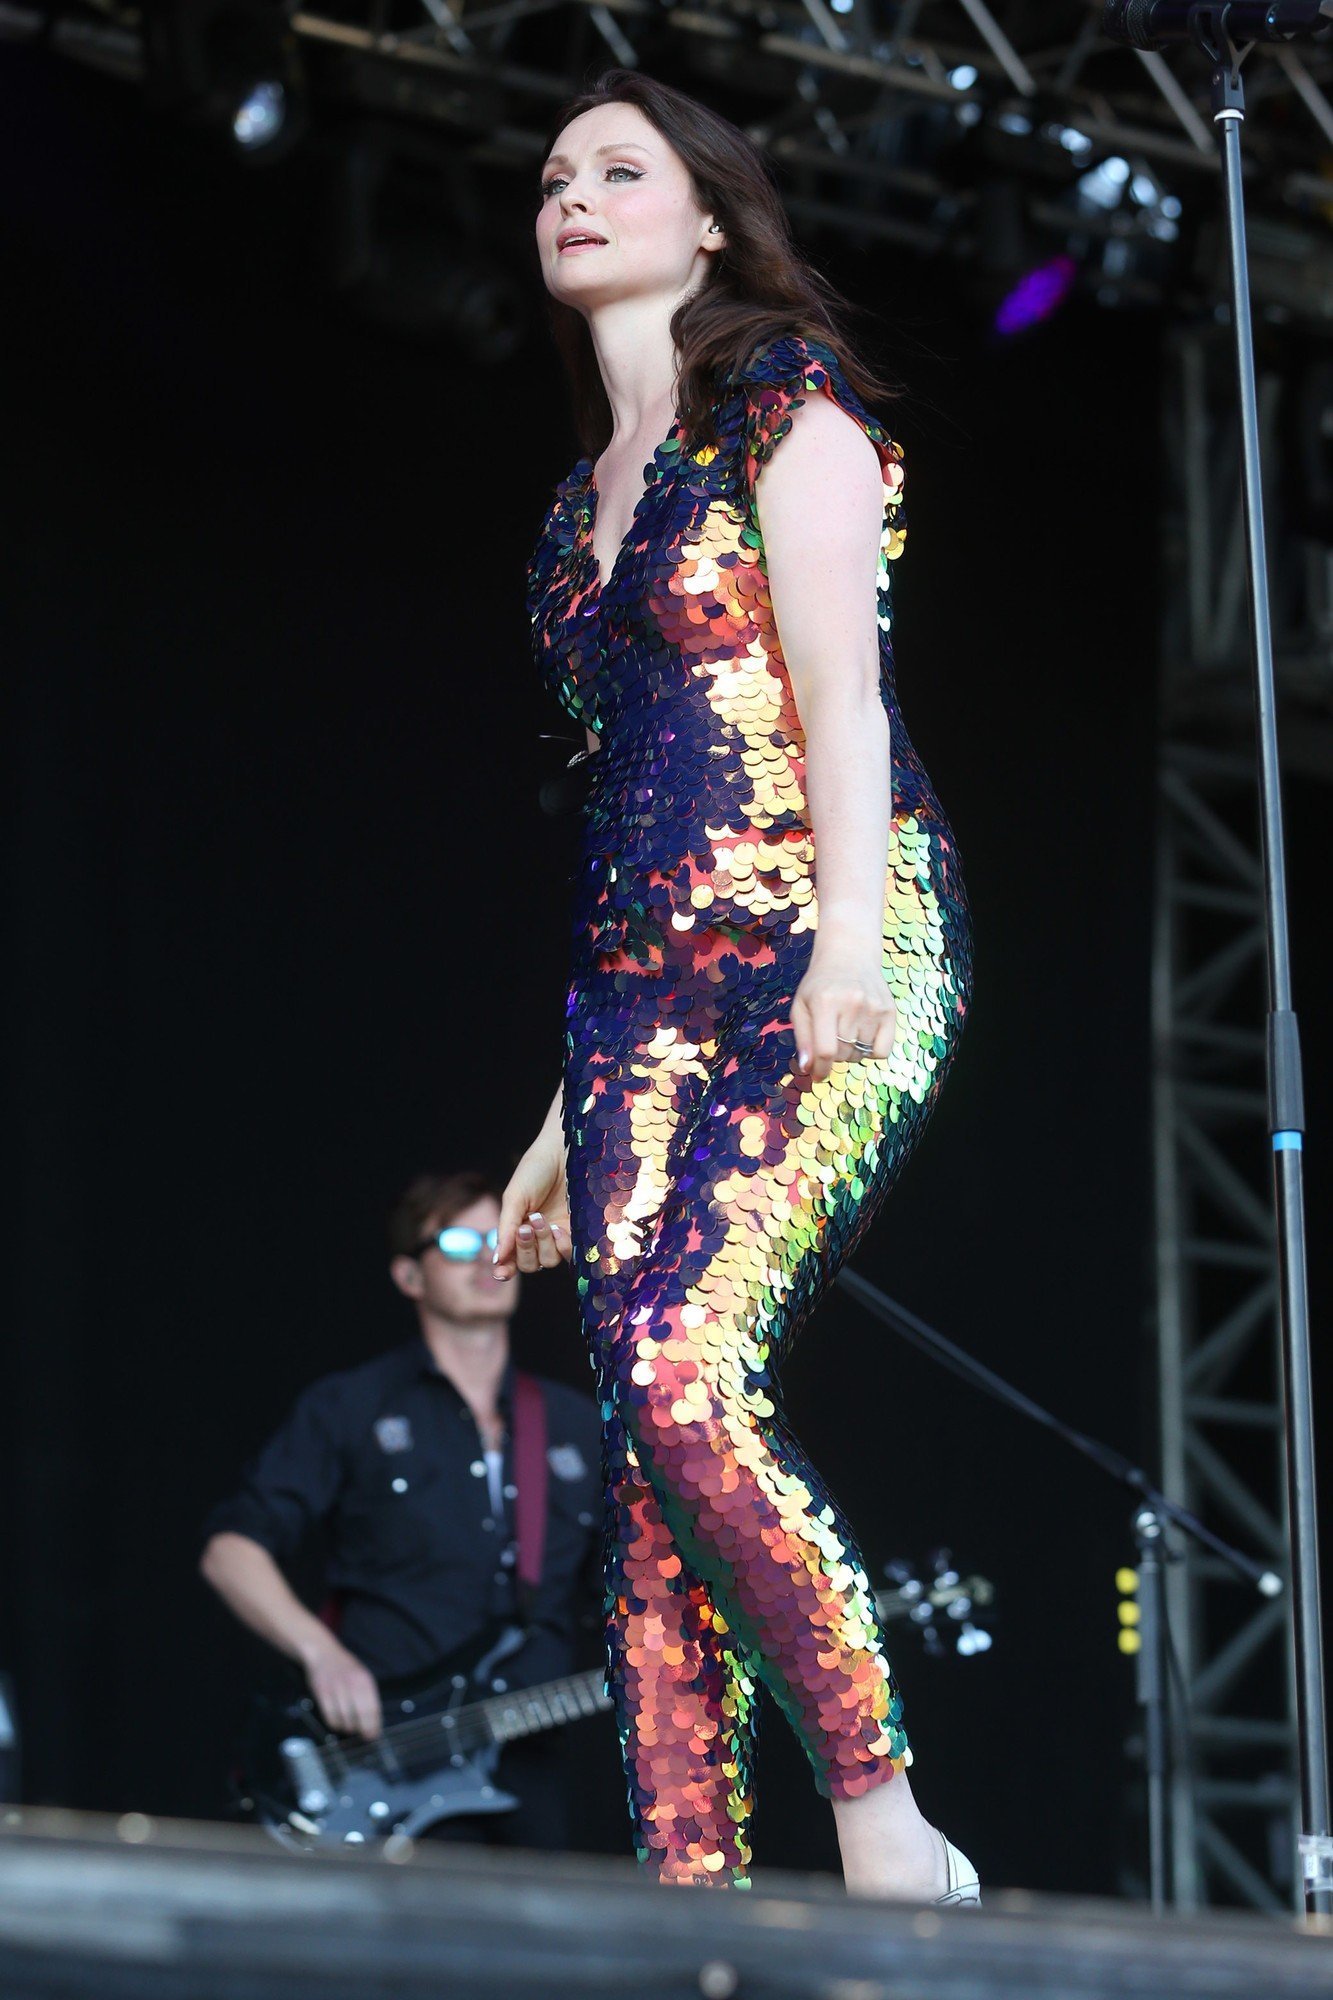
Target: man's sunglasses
{"x": 458, "y": 1243}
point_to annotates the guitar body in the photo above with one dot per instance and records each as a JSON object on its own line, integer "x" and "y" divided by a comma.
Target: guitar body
{"x": 313, "y": 1788}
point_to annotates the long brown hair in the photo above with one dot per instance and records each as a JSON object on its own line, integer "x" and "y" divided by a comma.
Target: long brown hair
{"x": 760, "y": 287}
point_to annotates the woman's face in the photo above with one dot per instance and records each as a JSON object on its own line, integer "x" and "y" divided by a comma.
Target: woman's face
{"x": 618, "y": 216}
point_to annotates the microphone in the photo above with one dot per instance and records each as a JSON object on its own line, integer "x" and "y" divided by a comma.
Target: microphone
{"x": 1156, "y": 24}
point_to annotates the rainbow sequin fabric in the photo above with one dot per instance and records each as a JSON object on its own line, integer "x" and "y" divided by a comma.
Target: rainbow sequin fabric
{"x": 712, "y": 1193}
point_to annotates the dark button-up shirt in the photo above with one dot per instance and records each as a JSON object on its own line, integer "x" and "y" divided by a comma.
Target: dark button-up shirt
{"x": 388, "y": 1461}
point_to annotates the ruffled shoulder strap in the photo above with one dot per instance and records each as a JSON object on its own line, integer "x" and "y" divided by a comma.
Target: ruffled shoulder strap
{"x": 572, "y": 494}
{"x": 776, "y": 381}
{"x": 566, "y": 513}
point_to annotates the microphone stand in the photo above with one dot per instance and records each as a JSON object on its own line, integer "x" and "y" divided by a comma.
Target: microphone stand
{"x": 1152, "y": 1512}
{"x": 1286, "y": 1117}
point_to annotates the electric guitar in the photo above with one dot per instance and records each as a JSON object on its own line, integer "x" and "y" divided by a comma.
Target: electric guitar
{"x": 444, "y": 1729}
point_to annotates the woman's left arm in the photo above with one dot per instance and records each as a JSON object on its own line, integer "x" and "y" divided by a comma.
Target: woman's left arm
{"x": 820, "y": 500}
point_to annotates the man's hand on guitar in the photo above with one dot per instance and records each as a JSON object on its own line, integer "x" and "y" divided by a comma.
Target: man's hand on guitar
{"x": 345, "y": 1692}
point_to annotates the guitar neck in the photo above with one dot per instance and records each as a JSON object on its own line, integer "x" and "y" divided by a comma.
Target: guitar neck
{"x": 500, "y": 1718}
{"x": 526, "y": 1711}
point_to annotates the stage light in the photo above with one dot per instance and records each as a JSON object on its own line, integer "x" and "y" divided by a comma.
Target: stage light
{"x": 1127, "y": 222}
{"x": 1103, "y": 186}
{"x": 260, "y": 116}
{"x": 1036, "y": 295}
{"x": 963, "y": 77}
{"x": 232, "y": 64}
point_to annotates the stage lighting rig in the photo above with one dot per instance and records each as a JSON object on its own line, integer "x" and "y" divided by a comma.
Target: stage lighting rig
{"x": 232, "y": 64}
{"x": 883, "y": 117}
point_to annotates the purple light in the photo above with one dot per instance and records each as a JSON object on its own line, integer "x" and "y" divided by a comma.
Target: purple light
{"x": 1036, "y": 295}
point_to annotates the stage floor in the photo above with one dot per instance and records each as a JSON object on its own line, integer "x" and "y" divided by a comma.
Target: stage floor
{"x": 173, "y": 1910}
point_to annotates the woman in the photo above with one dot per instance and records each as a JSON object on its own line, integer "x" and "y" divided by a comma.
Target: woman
{"x": 748, "y": 1064}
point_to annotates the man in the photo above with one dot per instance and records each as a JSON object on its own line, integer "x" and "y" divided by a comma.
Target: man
{"x": 406, "y": 1465}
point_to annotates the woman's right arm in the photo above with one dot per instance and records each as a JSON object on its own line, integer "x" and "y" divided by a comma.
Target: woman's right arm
{"x": 533, "y": 1230}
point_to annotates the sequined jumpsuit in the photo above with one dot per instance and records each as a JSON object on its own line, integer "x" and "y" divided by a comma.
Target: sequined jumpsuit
{"x": 712, "y": 1194}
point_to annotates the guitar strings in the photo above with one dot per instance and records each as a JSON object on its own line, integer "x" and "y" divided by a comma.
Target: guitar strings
{"x": 452, "y": 1739}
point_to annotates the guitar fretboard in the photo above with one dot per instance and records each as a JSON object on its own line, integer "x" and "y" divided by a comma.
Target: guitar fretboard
{"x": 528, "y": 1710}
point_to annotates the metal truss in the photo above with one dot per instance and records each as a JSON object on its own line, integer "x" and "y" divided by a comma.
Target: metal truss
{"x": 1235, "y": 1799}
{"x": 886, "y": 122}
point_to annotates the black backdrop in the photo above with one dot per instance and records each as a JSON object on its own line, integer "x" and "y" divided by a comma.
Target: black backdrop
{"x": 288, "y": 927}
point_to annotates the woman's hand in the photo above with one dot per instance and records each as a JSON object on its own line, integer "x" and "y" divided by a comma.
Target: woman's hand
{"x": 842, "y": 999}
{"x": 533, "y": 1230}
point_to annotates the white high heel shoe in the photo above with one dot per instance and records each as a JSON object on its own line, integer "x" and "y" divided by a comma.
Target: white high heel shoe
{"x": 964, "y": 1882}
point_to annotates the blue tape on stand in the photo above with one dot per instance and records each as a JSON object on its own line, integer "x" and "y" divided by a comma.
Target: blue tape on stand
{"x": 1287, "y": 1142}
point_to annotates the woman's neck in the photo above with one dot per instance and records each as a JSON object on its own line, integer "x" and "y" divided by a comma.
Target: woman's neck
{"x": 636, "y": 356}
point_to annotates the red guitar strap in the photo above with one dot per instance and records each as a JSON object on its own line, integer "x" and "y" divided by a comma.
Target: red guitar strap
{"x": 530, "y": 1477}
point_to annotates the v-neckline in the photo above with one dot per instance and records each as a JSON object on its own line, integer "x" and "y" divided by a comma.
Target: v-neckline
{"x": 651, "y": 482}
